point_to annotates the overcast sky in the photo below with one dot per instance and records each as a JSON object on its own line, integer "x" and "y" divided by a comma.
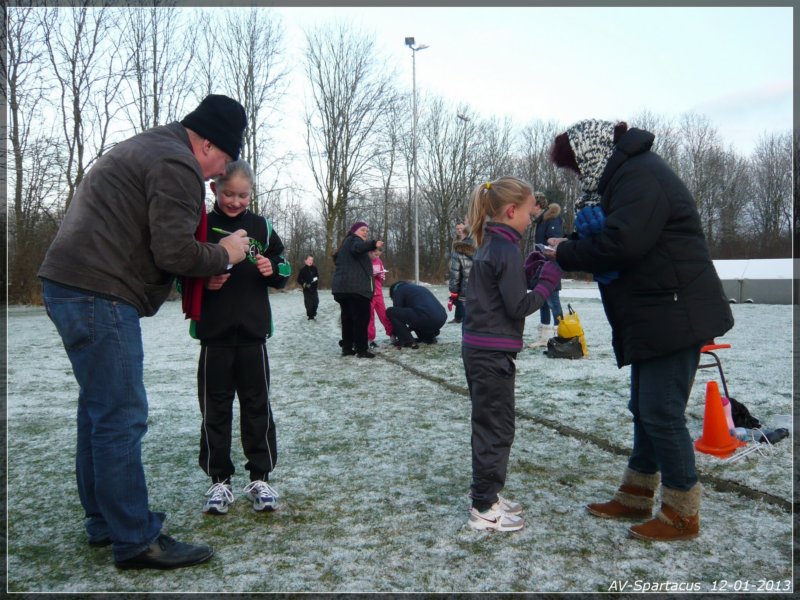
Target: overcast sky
{"x": 733, "y": 65}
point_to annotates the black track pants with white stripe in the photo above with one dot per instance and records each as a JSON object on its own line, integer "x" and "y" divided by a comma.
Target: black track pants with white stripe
{"x": 244, "y": 371}
{"x": 490, "y": 378}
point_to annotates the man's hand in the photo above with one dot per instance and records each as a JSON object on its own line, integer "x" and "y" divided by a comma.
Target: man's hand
{"x": 379, "y": 244}
{"x": 264, "y": 265}
{"x": 236, "y": 244}
{"x": 215, "y": 282}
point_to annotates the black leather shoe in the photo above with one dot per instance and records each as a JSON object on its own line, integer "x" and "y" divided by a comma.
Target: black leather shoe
{"x": 167, "y": 553}
{"x": 365, "y": 354}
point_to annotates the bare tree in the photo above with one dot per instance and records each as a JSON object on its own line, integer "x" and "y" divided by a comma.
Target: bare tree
{"x": 253, "y": 71}
{"x": 667, "y": 136}
{"x": 736, "y": 201}
{"x": 88, "y": 70}
{"x": 533, "y": 164}
{"x": 390, "y": 135}
{"x": 34, "y": 166}
{"x": 160, "y": 47}
{"x": 701, "y": 167}
{"x": 350, "y": 89}
{"x": 441, "y": 173}
{"x": 495, "y": 151}
{"x": 772, "y": 189}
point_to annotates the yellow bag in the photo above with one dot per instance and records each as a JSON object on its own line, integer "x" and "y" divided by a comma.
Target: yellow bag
{"x": 569, "y": 326}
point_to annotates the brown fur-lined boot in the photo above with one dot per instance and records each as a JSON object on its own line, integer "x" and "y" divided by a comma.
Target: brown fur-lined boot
{"x": 633, "y": 499}
{"x": 678, "y": 519}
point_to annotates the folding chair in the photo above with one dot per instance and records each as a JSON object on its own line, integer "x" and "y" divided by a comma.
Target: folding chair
{"x": 709, "y": 350}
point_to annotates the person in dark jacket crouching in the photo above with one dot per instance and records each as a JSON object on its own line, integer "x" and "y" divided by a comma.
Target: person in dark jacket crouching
{"x": 639, "y": 232}
{"x": 352, "y": 288}
{"x": 414, "y": 309}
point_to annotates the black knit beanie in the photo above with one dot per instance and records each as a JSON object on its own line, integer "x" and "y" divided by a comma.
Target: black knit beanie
{"x": 220, "y": 120}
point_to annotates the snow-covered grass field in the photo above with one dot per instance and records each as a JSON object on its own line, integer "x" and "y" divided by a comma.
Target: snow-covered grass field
{"x": 374, "y": 468}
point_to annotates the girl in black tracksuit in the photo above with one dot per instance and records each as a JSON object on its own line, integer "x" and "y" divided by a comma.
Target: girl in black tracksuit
{"x": 498, "y": 302}
{"x": 235, "y": 322}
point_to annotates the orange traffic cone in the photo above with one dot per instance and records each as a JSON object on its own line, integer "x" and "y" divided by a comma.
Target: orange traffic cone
{"x": 716, "y": 438}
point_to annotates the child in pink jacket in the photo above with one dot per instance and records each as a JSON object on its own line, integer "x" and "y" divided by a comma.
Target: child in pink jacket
{"x": 378, "y": 305}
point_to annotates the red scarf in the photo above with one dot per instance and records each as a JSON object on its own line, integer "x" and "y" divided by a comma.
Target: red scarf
{"x": 192, "y": 287}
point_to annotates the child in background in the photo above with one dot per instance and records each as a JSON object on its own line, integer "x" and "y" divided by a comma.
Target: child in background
{"x": 460, "y": 263}
{"x": 308, "y": 278}
{"x": 234, "y": 325}
{"x": 378, "y": 304}
{"x": 500, "y": 211}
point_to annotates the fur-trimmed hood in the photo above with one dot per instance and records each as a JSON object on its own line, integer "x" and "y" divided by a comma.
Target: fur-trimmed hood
{"x": 552, "y": 211}
{"x": 465, "y": 246}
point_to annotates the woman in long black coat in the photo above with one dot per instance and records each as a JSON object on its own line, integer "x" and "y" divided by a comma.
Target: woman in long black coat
{"x": 640, "y": 234}
{"x": 352, "y": 288}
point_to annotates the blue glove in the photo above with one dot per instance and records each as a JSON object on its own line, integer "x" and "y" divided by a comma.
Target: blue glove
{"x": 549, "y": 278}
{"x": 533, "y": 263}
{"x": 605, "y": 278}
{"x": 589, "y": 221}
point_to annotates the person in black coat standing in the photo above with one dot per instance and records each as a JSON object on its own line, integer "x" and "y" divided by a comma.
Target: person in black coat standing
{"x": 352, "y": 288}
{"x": 548, "y": 225}
{"x": 639, "y": 232}
{"x": 308, "y": 278}
{"x": 415, "y": 309}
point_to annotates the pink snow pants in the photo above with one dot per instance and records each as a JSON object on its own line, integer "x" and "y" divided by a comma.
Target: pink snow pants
{"x": 378, "y": 306}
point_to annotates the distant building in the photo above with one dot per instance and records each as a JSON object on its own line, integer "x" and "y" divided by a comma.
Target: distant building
{"x": 760, "y": 281}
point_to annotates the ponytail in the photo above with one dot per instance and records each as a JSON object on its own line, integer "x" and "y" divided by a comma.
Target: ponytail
{"x": 489, "y": 198}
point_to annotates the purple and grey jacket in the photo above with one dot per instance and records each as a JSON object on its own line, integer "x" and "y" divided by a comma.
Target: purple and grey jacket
{"x": 497, "y": 296}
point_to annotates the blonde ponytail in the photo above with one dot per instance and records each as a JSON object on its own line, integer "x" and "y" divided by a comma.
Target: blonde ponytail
{"x": 488, "y": 200}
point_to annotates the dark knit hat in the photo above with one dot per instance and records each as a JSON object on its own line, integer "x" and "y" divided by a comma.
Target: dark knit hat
{"x": 220, "y": 120}
{"x": 357, "y": 225}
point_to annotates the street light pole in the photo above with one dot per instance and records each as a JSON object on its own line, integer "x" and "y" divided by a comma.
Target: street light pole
{"x": 410, "y": 43}
{"x": 465, "y": 119}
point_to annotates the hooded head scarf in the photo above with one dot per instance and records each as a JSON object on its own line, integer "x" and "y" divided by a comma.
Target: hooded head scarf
{"x": 592, "y": 141}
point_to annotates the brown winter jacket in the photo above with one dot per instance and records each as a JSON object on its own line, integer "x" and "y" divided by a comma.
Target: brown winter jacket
{"x": 130, "y": 226}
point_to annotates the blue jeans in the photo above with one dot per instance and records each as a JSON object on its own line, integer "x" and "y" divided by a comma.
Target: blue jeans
{"x": 660, "y": 389}
{"x": 104, "y": 344}
{"x": 553, "y": 305}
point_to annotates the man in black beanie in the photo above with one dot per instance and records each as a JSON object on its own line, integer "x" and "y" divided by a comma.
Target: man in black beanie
{"x": 129, "y": 230}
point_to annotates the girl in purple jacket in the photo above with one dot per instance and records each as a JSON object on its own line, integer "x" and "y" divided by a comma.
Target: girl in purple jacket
{"x": 498, "y": 302}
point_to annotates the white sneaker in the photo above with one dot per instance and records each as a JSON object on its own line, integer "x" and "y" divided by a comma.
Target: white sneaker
{"x": 221, "y": 498}
{"x": 508, "y": 506}
{"x": 494, "y": 519}
{"x": 262, "y": 496}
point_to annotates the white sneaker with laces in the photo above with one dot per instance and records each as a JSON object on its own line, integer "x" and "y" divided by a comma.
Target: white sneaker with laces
{"x": 494, "y": 519}
{"x": 262, "y": 496}
{"x": 508, "y": 506}
{"x": 221, "y": 498}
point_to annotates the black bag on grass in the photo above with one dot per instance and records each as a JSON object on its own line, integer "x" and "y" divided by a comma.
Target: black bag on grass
{"x": 741, "y": 416}
{"x": 558, "y": 347}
